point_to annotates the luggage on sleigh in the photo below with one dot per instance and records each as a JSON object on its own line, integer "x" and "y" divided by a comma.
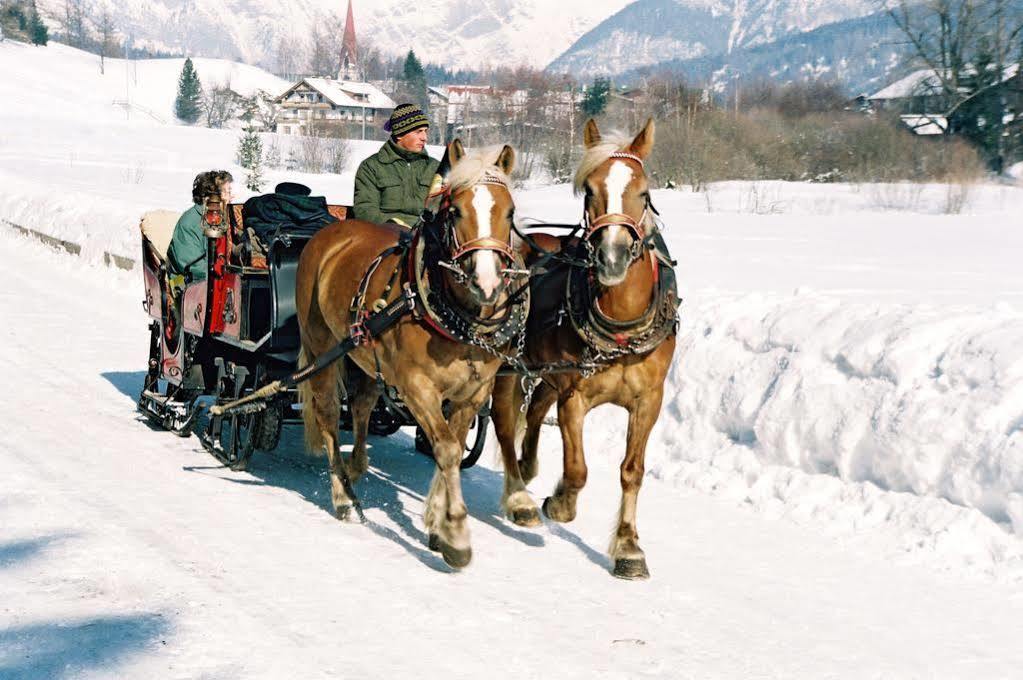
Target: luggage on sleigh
{"x": 234, "y": 332}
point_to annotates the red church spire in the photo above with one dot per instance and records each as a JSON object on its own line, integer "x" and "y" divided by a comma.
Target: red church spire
{"x": 349, "y": 60}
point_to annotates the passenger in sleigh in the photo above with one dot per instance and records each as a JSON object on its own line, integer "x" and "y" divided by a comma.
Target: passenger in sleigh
{"x": 289, "y": 208}
{"x": 186, "y": 254}
{"x": 392, "y": 184}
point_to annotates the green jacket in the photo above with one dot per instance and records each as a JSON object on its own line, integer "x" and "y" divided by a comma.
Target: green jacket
{"x": 393, "y": 183}
{"x": 188, "y": 244}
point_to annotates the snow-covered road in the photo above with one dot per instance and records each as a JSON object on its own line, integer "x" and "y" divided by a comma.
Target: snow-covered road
{"x": 127, "y": 552}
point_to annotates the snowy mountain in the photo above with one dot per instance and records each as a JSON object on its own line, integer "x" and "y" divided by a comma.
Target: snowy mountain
{"x": 862, "y": 53}
{"x": 455, "y": 33}
{"x": 653, "y": 31}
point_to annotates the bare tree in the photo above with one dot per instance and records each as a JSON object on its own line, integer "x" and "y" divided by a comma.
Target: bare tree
{"x": 104, "y": 23}
{"x": 967, "y": 46}
{"x": 72, "y": 22}
{"x": 219, "y": 104}
{"x": 324, "y": 57}
{"x": 287, "y": 57}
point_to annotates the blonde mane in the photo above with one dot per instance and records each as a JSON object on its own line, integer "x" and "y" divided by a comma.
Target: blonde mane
{"x": 597, "y": 154}
{"x": 476, "y": 166}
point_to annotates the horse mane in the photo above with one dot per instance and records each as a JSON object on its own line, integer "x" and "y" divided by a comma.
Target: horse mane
{"x": 476, "y": 166}
{"x": 597, "y": 154}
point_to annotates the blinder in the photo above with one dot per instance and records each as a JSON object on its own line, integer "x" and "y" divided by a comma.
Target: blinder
{"x": 635, "y": 227}
{"x": 457, "y": 250}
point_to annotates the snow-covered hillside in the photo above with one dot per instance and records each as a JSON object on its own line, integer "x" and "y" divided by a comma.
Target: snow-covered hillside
{"x": 455, "y": 33}
{"x": 58, "y": 81}
{"x": 834, "y": 487}
{"x": 649, "y": 32}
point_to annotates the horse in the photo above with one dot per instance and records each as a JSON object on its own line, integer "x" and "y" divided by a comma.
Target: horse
{"x": 457, "y": 270}
{"x": 601, "y": 329}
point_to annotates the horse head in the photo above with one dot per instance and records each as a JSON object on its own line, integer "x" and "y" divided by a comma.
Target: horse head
{"x": 617, "y": 199}
{"x": 477, "y": 218}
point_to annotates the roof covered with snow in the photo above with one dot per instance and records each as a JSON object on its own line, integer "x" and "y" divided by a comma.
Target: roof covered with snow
{"x": 348, "y": 93}
{"x": 927, "y": 81}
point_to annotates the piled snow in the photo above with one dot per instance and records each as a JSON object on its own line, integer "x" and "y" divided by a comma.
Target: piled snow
{"x": 849, "y": 355}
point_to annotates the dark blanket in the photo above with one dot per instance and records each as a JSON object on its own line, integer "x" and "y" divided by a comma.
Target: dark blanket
{"x": 264, "y": 215}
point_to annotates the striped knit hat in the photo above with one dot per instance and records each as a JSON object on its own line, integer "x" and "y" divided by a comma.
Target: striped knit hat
{"x": 406, "y": 118}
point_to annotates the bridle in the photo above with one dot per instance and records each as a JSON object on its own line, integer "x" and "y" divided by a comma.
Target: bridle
{"x": 636, "y": 227}
{"x": 456, "y": 250}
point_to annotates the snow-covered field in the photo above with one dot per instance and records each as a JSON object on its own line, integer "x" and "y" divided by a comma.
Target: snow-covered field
{"x": 835, "y": 484}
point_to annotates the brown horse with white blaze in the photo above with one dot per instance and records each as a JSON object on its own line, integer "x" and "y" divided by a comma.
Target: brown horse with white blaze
{"x": 623, "y": 340}
{"x": 356, "y": 260}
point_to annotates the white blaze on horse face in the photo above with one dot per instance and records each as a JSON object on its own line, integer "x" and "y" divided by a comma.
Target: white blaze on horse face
{"x": 617, "y": 180}
{"x": 487, "y": 277}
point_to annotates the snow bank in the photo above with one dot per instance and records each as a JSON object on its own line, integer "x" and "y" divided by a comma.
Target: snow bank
{"x": 915, "y": 399}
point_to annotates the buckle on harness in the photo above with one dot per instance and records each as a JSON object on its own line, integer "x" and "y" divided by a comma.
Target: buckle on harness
{"x": 358, "y": 331}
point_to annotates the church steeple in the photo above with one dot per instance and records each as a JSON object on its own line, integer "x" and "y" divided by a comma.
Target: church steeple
{"x": 349, "y": 55}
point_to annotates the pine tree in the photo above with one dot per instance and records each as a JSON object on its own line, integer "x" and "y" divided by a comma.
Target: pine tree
{"x": 37, "y": 30}
{"x": 250, "y": 148}
{"x": 595, "y": 99}
{"x": 187, "y": 105}
{"x": 413, "y": 68}
{"x": 250, "y": 156}
{"x": 254, "y": 179}
{"x": 415, "y": 79}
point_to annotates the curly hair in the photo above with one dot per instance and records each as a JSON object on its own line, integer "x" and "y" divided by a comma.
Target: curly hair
{"x": 208, "y": 184}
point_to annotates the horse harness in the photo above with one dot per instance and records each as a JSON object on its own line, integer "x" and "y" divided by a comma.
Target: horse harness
{"x": 421, "y": 252}
{"x": 606, "y": 339}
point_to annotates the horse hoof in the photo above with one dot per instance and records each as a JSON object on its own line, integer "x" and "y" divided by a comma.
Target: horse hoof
{"x": 434, "y": 543}
{"x": 343, "y": 512}
{"x": 553, "y": 514}
{"x": 526, "y": 517}
{"x": 454, "y": 557}
{"x": 631, "y": 569}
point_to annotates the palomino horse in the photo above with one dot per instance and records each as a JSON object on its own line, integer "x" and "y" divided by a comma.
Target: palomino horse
{"x": 426, "y": 360}
{"x": 606, "y": 309}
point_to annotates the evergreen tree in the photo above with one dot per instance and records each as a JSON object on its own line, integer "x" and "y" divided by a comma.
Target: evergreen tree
{"x": 595, "y": 99}
{"x": 413, "y": 68}
{"x": 187, "y": 105}
{"x": 250, "y": 157}
{"x": 415, "y": 80}
{"x": 37, "y": 31}
{"x": 250, "y": 148}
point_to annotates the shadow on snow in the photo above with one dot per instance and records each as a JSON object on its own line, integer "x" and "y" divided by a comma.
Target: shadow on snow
{"x": 70, "y": 648}
{"x": 14, "y": 552}
{"x": 397, "y": 472}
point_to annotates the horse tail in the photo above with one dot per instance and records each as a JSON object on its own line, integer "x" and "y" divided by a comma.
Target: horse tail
{"x": 314, "y": 442}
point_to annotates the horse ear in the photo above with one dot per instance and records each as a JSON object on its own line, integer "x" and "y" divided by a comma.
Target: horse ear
{"x": 643, "y": 144}
{"x": 456, "y": 151}
{"x": 506, "y": 160}
{"x": 591, "y": 135}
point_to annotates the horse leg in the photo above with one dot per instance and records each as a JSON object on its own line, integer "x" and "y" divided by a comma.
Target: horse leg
{"x": 506, "y": 415}
{"x": 363, "y": 393}
{"x": 446, "y": 515}
{"x": 544, "y": 397}
{"x": 629, "y": 560}
{"x": 561, "y": 506}
{"x": 321, "y": 412}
